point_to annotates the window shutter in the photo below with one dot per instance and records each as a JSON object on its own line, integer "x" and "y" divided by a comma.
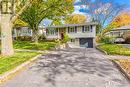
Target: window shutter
{"x": 56, "y": 30}
{"x": 68, "y": 30}
{"x": 91, "y": 28}
{"x": 75, "y": 29}
{"x": 82, "y": 28}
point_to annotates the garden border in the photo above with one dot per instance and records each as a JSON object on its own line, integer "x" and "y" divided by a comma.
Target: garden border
{"x": 12, "y": 73}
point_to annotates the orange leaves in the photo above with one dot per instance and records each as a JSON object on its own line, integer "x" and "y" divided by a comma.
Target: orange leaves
{"x": 76, "y": 19}
{"x": 125, "y": 64}
{"x": 122, "y": 19}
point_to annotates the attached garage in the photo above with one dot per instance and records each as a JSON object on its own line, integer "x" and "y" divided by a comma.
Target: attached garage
{"x": 86, "y": 42}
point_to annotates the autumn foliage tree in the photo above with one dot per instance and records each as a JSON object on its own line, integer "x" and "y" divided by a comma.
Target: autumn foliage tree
{"x": 42, "y": 9}
{"x": 120, "y": 20}
{"x": 76, "y": 19}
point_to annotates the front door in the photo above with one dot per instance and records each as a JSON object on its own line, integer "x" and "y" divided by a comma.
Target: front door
{"x": 62, "y": 32}
{"x": 62, "y": 35}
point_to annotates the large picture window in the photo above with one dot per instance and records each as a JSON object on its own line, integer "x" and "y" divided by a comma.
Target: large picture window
{"x": 52, "y": 32}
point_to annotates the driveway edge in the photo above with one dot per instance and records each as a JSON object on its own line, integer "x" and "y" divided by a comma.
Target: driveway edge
{"x": 126, "y": 75}
{"x": 123, "y": 72}
{"x": 12, "y": 73}
{"x": 101, "y": 50}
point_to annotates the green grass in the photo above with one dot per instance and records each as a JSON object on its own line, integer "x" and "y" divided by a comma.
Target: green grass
{"x": 9, "y": 62}
{"x": 32, "y": 46}
{"x": 115, "y": 49}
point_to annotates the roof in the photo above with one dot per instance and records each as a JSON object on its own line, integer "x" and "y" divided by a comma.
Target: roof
{"x": 71, "y": 25}
{"x": 122, "y": 28}
{"x": 39, "y": 27}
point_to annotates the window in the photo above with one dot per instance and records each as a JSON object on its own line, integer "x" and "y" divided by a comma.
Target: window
{"x": 87, "y": 29}
{"x": 72, "y": 29}
{"x": 52, "y": 32}
{"x": 72, "y": 40}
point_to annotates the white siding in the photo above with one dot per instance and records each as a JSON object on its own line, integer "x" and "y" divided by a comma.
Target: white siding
{"x": 80, "y": 34}
{"x": 52, "y": 37}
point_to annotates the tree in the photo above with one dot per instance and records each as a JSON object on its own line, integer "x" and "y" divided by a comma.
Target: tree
{"x": 19, "y": 22}
{"x": 41, "y": 9}
{"x": 6, "y": 27}
{"x": 102, "y": 11}
{"x": 57, "y": 21}
{"x": 75, "y": 19}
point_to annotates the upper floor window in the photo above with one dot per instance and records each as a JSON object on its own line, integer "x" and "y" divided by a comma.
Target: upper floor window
{"x": 72, "y": 29}
{"x": 87, "y": 29}
{"x": 72, "y": 40}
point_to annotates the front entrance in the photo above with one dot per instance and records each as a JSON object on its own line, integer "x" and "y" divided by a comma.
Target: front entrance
{"x": 62, "y": 32}
{"x": 62, "y": 35}
{"x": 86, "y": 42}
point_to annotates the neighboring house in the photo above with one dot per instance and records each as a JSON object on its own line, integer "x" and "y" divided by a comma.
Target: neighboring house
{"x": 80, "y": 34}
{"x": 26, "y": 31}
{"x": 121, "y": 34}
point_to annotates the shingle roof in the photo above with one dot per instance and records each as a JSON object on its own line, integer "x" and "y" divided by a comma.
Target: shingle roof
{"x": 71, "y": 25}
{"x": 122, "y": 28}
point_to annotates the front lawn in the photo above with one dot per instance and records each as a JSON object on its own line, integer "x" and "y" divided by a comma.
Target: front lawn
{"x": 32, "y": 46}
{"x": 9, "y": 62}
{"x": 115, "y": 49}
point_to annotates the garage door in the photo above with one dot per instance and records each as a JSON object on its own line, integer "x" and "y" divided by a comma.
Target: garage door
{"x": 86, "y": 42}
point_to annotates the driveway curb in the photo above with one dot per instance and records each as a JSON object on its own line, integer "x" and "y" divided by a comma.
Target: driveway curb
{"x": 12, "y": 73}
{"x": 26, "y": 50}
{"x": 101, "y": 50}
{"x": 126, "y": 75}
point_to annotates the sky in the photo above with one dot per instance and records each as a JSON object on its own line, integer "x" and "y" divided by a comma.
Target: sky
{"x": 80, "y": 9}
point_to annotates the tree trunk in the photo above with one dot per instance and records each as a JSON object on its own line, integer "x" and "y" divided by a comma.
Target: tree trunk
{"x": 35, "y": 36}
{"x": 6, "y": 35}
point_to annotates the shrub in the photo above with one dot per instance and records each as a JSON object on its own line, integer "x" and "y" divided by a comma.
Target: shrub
{"x": 24, "y": 38}
{"x": 57, "y": 41}
{"x": 42, "y": 37}
{"x": 66, "y": 38}
{"x": 107, "y": 40}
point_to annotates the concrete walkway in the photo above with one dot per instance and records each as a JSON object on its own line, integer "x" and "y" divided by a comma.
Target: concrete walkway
{"x": 118, "y": 57}
{"x": 75, "y": 67}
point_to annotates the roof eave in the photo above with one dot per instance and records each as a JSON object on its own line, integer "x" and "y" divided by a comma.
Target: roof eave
{"x": 71, "y": 25}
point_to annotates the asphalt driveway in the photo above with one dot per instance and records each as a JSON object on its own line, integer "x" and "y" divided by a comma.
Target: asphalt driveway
{"x": 74, "y": 67}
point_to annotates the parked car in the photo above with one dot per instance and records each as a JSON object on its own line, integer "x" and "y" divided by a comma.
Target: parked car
{"x": 119, "y": 40}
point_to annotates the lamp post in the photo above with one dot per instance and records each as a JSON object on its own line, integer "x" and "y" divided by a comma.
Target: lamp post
{"x": 7, "y": 9}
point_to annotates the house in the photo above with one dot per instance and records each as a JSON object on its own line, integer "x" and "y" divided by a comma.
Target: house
{"x": 80, "y": 34}
{"x": 26, "y": 31}
{"x": 121, "y": 34}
